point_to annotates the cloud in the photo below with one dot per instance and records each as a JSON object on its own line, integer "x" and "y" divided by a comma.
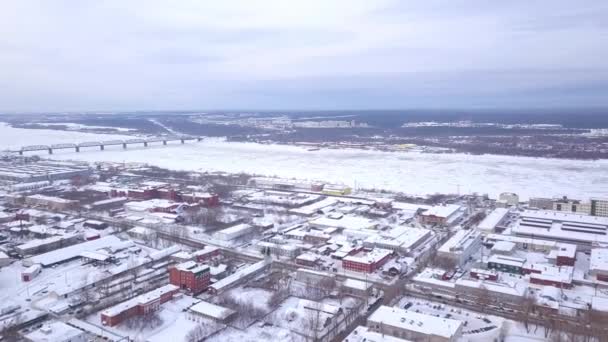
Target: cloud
{"x": 116, "y": 55}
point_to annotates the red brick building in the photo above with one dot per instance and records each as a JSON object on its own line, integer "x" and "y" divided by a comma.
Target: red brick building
{"x": 140, "y": 305}
{"x": 566, "y": 255}
{"x": 367, "y": 261}
{"x": 190, "y": 276}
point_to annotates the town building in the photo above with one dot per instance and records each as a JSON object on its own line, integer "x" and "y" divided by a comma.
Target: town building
{"x": 31, "y": 272}
{"x": 509, "y": 198}
{"x": 540, "y": 203}
{"x": 365, "y": 334}
{"x": 494, "y": 222}
{"x": 51, "y": 202}
{"x": 206, "y": 253}
{"x": 37, "y": 246}
{"x": 599, "y": 207}
{"x": 285, "y": 249}
{"x": 441, "y": 214}
{"x": 585, "y": 231}
{"x": 137, "y": 306}
{"x": 211, "y": 311}
{"x": 460, "y": 247}
{"x": 399, "y": 239}
{"x": 414, "y": 326}
{"x": 190, "y": 276}
{"x": 598, "y": 265}
{"x": 572, "y": 206}
{"x": 56, "y": 331}
{"x": 367, "y": 261}
{"x": 234, "y": 232}
{"x": 483, "y": 274}
{"x": 505, "y": 263}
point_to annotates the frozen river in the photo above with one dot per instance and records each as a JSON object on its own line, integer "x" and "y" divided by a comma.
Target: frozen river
{"x": 409, "y": 172}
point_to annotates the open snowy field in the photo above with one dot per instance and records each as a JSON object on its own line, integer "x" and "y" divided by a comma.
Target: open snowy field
{"x": 409, "y": 172}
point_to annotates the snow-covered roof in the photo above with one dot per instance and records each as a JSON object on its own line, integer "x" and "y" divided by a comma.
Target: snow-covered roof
{"x": 599, "y": 260}
{"x": 356, "y": 284}
{"x": 364, "y": 334}
{"x": 442, "y": 210}
{"x": 73, "y": 251}
{"x": 370, "y": 257}
{"x": 461, "y": 241}
{"x": 517, "y": 290}
{"x": 599, "y": 303}
{"x": 507, "y": 260}
{"x": 212, "y": 310}
{"x": 345, "y": 222}
{"x": 314, "y": 207}
{"x": 503, "y": 246}
{"x": 417, "y": 322}
{"x": 55, "y": 331}
{"x": 493, "y": 219}
{"x": 242, "y": 273}
{"x": 141, "y": 299}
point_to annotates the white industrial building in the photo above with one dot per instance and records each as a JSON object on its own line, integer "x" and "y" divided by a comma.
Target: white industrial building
{"x": 413, "y": 325}
{"x": 496, "y": 218}
{"x": 461, "y": 246}
{"x": 234, "y": 232}
{"x": 585, "y": 231}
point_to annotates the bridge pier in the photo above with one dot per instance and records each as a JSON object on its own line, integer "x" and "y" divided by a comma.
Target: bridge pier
{"x": 124, "y": 146}
{"x": 50, "y": 151}
{"x": 145, "y": 144}
{"x": 101, "y": 147}
{"x": 77, "y": 148}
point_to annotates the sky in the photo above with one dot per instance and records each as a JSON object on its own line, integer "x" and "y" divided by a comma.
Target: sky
{"x": 60, "y": 55}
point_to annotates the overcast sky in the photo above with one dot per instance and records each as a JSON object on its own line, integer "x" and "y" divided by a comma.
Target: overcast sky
{"x": 351, "y": 54}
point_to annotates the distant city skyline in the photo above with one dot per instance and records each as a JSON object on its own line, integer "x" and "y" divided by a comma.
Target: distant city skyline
{"x": 302, "y": 55}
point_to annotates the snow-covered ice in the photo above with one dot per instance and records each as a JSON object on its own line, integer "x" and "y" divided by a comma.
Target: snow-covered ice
{"x": 409, "y": 172}
{"x": 14, "y": 138}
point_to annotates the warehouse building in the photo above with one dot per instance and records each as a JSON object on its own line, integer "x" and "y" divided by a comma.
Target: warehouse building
{"x": 413, "y": 325}
{"x": 140, "y": 305}
{"x": 460, "y": 247}
{"x": 367, "y": 261}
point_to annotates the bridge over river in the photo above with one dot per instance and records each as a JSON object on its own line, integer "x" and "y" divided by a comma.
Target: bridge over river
{"x": 102, "y": 144}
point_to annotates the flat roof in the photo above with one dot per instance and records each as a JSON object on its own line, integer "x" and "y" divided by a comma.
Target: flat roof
{"x": 599, "y": 260}
{"x": 54, "y": 331}
{"x": 460, "y": 241}
{"x": 372, "y": 256}
{"x": 493, "y": 219}
{"x": 212, "y": 310}
{"x": 414, "y": 321}
{"x": 364, "y": 334}
{"x": 74, "y": 251}
{"x": 442, "y": 210}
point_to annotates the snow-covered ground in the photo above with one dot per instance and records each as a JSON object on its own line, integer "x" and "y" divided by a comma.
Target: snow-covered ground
{"x": 409, "y": 172}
